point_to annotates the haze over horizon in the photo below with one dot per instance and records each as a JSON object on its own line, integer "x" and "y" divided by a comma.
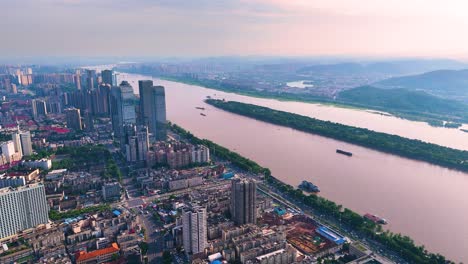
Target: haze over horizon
{"x": 368, "y": 28}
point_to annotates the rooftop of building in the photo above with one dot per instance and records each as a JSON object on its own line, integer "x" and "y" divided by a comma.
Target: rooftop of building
{"x": 82, "y": 256}
{"x": 20, "y": 188}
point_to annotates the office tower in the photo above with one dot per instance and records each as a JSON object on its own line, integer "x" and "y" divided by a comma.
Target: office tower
{"x": 8, "y": 150}
{"x": 153, "y": 109}
{"x": 77, "y": 81}
{"x": 107, "y": 77}
{"x": 39, "y": 107}
{"x": 243, "y": 198}
{"x": 122, "y": 107}
{"x": 14, "y": 89}
{"x": 144, "y": 85}
{"x": 194, "y": 231}
{"x": 90, "y": 79}
{"x": 22, "y": 208}
{"x": 29, "y": 71}
{"x": 26, "y": 144}
{"x": 73, "y": 117}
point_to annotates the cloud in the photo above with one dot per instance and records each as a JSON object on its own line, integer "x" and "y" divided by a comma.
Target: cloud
{"x": 234, "y": 27}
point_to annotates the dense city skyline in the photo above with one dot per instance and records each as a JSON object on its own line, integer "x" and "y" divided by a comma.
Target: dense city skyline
{"x": 233, "y": 131}
{"x": 234, "y": 27}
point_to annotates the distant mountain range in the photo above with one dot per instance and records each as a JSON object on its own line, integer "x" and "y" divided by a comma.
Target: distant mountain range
{"x": 444, "y": 83}
{"x": 383, "y": 68}
{"x": 406, "y": 102}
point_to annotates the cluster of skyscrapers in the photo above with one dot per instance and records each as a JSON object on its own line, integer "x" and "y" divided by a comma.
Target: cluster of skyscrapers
{"x": 130, "y": 117}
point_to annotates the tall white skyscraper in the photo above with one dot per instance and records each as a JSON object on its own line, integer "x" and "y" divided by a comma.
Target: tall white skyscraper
{"x": 26, "y": 144}
{"x": 17, "y": 142}
{"x": 194, "y": 230}
{"x": 22, "y": 208}
{"x": 22, "y": 143}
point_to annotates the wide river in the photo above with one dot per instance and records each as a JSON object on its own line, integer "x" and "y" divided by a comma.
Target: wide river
{"x": 427, "y": 202}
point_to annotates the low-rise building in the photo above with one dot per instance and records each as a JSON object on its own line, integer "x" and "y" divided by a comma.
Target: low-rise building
{"x": 98, "y": 256}
{"x": 45, "y": 164}
{"x": 12, "y": 181}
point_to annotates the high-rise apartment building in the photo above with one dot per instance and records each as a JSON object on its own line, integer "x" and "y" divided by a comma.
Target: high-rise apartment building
{"x": 90, "y": 79}
{"x": 243, "y": 201}
{"x": 194, "y": 229}
{"x": 102, "y": 97}
{"x": 22, "y": 208}
{"x": 107, "y": 77}
{"x": 111, "y": 190}
{"x": 14, "y": 89}
{"x": 39, "y": 107}
{"x": 73, "y": 117}
{"x": 77, "y": 81}
{"x": 136, "y": 142}
{"x": 8, "y": 150}
{"x": 153, "y": 109}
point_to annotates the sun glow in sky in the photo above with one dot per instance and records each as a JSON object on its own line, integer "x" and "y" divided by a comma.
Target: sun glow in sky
{"x": 431, "y": 28}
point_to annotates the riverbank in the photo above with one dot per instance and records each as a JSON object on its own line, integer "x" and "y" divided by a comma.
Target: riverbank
{"x": 409, "y": 148}
{"x": 435, "y": 120}
{"x": 401, "y": 245}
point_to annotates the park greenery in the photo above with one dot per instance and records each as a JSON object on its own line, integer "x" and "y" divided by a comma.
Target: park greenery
{"x": 393, "y": 144}
{"x": 85, "y": 157}
{"x": 55, "y": 215}
{"x": 399, "y": 244}
{"x": 408, "y": 103}
{"x": 167, "y": 257}
{"x": 5, "y": 137}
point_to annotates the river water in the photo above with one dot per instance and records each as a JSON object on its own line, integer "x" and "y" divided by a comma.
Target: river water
{"x": 427, "y": 202}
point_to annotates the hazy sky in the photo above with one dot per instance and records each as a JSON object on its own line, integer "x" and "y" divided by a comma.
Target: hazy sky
{"x": 435, "y": 28}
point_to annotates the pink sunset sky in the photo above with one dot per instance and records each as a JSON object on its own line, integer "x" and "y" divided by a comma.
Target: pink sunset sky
{"x": 372, "y": 28}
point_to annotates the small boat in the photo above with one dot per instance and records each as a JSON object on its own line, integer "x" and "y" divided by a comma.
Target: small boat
{"x": 309, "y": 187}
{"x": 376, "y": 219}
{"x": 200, "y": 108}
{"x": 202, "y": 114}
{"x": 339, "y": 151}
